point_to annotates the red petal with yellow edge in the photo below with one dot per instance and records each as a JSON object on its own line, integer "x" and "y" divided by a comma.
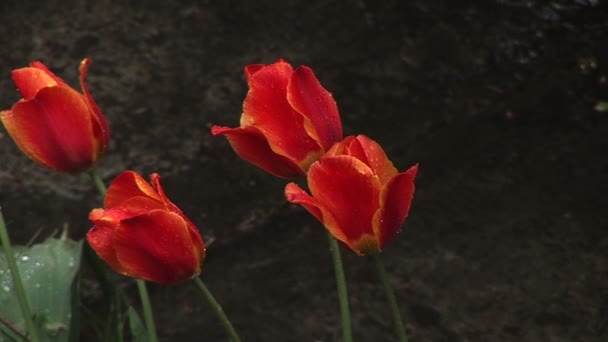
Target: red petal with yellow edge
{"x": 155, "y": 181}
{"x": 156, "y": 247}
{"x": 252, "y": 69}
{"x": 395, "y": 202}
{"x": 54, "y": 129}
{"x": 109, "y": 218}
{"x": 101, "y": 240}
{"x": 348, "y": 189}
{"x": 372, "y": 154}
{"x": 296, "y": 195}
{"x": 41, "y": 66}
{"x": 30, "y": 80}
{"x": 251, "y": 145}
{"x": 101, "y": 130}
{"x": 197, "y": 240}
{"x": 127, "y": 185}
{"x": 307, "y": 96}
{"x": 266, "y": 108}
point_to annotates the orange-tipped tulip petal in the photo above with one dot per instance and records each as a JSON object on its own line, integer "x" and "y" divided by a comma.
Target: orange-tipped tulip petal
{"x": 357, "y": 194}
{"x": 141, "y": 233}
{"x": 395, "y": 202}
{"x": 53, "y": 124}
{"x": 289, "y": 120}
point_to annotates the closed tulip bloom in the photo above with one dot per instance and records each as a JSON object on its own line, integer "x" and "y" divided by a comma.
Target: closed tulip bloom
{"x": 53, "y": 124}
{"x": 140, "y": 233}
{"x": 357, "y": 194}
{"x": 289, "y": 120}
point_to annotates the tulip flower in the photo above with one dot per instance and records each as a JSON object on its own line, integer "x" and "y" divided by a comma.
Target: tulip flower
{"x": 289, "y": 120}
{"x": 53, "y": 124}
{"x": 140, "y": 233}
{"x": 357, "y": 194}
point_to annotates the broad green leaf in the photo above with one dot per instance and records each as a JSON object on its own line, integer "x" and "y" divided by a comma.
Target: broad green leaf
{"x": 49, "y": 271}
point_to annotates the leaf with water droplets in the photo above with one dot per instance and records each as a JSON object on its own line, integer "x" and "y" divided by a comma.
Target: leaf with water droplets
{"x": 49, "y": 272}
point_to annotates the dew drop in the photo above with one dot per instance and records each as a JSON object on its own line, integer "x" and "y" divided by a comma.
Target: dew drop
{"x": 25, "y": 258}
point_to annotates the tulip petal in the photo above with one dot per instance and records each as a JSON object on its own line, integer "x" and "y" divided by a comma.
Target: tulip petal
{"x": 372, "y": 154}
{"x": 197, "y": 241}
{"x": 54, "y": 129}
{"x": 41, "y": 66}
{"x": 251, "y": 145}
{"x": 295, "y": 194}
{"x": 252, "y": 69}
{"x": 101, "y": 240}
{"x": 31, "y": 80}
{"x": 156, "y": 247}
{"x": 348, "y": 190}
{"x": 266, "y": 108}
{"x": 316, "y": 105}
{"x": 395, "y": 202}
{"x": 155, "y": 181}
{"x": 127, "y": 185}
{"x": 101, "y": 130}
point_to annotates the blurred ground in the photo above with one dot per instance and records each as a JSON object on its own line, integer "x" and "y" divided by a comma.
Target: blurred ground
{"x": 507, "y": 238}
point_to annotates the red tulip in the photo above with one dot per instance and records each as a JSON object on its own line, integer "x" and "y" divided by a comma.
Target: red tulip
{"x": 357, "y": 194}
{"x": 140, "y": 233}
{"x": 54, "y": 124}
{"x": 289, "y": 120}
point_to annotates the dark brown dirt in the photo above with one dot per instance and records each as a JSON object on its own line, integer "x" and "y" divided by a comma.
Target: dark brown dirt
{"x": 507, "y": 239}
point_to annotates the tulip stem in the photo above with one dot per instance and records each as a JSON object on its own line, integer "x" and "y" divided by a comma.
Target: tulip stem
{"x": 17, "y": 284}
{"x": 101, "y": 187}
{"x": 148, "y": 316}
{"x": 392, "y": 300}
{"x": 219, "y": 312}
{"x": 91, "y": 256}
{"x": 342, "y": 291}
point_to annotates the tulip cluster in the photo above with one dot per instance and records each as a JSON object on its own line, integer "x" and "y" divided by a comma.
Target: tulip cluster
{"x": 290, "y": 127}
{"x": 140, "y": 232}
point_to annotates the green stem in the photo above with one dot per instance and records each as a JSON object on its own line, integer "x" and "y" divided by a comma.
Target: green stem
{"x": 234, "y": 337}
{"x": 342, "y": 291}
{"x": 9, "y": 330}
{"x": 91, "y": 256}
{"x": 101, "y": 187}
{"x": 17, "y": 284}
{"x": 148, "y": 317}
{"x": 392, "y": 300}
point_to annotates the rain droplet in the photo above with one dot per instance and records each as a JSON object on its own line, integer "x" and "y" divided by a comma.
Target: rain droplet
{"x": 37, "y": 285}
{"x": 25, "y": 258}
{"x": 6, "y": 288}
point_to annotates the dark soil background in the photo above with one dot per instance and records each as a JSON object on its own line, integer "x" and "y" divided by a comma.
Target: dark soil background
{"x": 507, "y": 238}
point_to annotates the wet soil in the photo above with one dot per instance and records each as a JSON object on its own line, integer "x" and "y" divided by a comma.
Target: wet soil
{"x": 507, "y": 239}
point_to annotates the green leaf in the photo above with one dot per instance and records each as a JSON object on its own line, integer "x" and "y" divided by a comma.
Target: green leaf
{"x": 49, "y": 271}
{"x": 138, "y": 331}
